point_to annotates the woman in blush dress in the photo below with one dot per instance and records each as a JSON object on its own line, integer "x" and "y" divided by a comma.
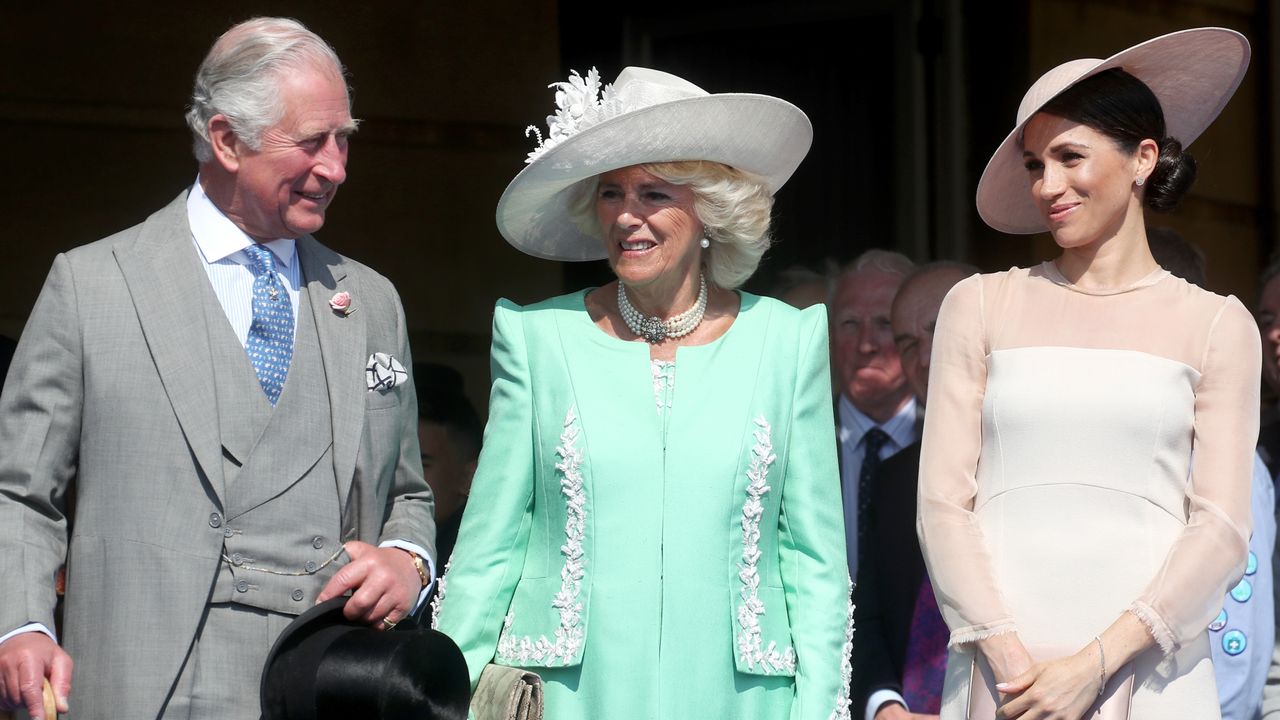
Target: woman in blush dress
{"x": 1074, "y": 540}
{"x": 651, "y": 527}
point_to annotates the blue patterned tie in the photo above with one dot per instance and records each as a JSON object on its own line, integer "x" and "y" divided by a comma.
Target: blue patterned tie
{"x": 270, "y": 343}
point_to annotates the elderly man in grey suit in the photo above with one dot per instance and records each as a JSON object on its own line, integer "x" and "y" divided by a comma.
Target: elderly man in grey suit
{"x": 227, "y": 399}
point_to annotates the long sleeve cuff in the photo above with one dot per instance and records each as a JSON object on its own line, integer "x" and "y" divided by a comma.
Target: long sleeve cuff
{"x": 1156, "y": 625}
{"x": 879, "y": 698}
{"x": 974, "y": 633}
{"x": 29, "y": 627}
{"x": 431, "y": 568}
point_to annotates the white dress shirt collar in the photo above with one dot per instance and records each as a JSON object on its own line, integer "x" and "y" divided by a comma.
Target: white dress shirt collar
{"x": 901, "y": 428}
{"x": 218, "y": 238}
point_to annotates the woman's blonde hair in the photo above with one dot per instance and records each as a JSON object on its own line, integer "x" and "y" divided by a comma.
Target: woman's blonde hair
{"x": 733, "y": 206}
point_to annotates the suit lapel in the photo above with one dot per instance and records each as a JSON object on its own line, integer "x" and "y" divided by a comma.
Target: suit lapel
{"x": 342, "y": 349}
{"x": 162, "y": 271}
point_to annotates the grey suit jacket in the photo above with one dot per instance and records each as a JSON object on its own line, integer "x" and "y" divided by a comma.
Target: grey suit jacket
{"x": 112, "y": 391}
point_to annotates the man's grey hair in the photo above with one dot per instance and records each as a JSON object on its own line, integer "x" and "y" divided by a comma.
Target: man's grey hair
{"x": 883, "y": 260}
{"x": 240, "y": 77}
{"x": 886, "y": 261}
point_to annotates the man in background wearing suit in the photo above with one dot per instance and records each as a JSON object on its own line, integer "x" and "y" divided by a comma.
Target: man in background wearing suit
{"x": 228, "y": 400}
{"x": 875, "y": 410}
{"x": 900, "y": 649}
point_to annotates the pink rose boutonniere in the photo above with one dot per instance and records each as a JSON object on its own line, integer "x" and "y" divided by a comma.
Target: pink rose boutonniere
{"x": 341, "y": 303}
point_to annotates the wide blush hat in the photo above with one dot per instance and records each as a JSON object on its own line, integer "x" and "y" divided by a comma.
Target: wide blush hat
{"x": 1193, "y": 74}
{"x": 645, "y": 116}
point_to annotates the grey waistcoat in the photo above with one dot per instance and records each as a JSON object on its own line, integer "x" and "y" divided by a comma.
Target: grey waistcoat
{"x": 282, "y": 524}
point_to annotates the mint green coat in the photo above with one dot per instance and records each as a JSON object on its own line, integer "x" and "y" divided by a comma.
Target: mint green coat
{"x": 698, "y": 572}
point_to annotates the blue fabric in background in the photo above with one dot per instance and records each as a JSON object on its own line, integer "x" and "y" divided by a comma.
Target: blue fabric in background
{"x": 1242, "y": 644}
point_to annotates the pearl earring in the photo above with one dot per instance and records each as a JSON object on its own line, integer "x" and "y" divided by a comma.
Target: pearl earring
{"x": 705, "y": 243}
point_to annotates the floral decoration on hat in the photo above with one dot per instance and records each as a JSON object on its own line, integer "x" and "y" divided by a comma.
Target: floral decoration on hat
{"x": 579, "y": 105}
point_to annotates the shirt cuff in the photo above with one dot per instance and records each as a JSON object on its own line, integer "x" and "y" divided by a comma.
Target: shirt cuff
{"x": 30, "y": 627}
{"x": 879, "y": 698}
{"x": 431, "y": 567}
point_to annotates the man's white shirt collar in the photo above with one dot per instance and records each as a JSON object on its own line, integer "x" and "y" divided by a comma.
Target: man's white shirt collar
{"x": 854, "y": 423}
{"x": 218, "y": 238}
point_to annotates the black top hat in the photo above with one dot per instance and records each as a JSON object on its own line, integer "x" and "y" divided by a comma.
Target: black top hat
{"x": 324, "y": 666}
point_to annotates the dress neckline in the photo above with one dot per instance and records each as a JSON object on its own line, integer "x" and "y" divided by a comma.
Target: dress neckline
{"x": 1051, "y": 272}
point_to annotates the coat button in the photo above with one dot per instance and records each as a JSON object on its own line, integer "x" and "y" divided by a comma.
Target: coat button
{"x": 1234, "y": 642}
{"x": 237, "y": 559}
{"x": 242, "y": 586}
{"x": 1242, "y": 591}
{"x": 317, "y": 542}
{"x": 1220, "y": 621}
{"x": 228, "y": 532}
{"x": 215, "y": 520}
{"x": 310, "y": 566}
{"x": 297, "y": 596}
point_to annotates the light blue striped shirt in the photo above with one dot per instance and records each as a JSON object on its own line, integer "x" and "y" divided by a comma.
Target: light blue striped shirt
{"x": 221, "y": 244}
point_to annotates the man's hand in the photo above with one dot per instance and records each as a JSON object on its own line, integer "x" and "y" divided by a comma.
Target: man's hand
{"x": 25, "y": 661}
{"x": 894, "y": 711}
{"x": 384, "y": 582}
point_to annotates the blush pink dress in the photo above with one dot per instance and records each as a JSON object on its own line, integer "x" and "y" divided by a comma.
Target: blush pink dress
{"x": 1088, "y": 453}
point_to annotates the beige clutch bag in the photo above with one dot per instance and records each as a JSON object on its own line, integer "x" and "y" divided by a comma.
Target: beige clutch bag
{"x": 507, "y": 693}
{"x": 1113, "y": 705}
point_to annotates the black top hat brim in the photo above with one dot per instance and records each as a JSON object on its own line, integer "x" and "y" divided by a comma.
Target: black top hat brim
{"x": 324, "y": 666}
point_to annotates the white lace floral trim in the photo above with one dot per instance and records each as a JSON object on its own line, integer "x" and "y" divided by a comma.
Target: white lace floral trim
{"x": 438, "y": 601}
{"x": 568, "y": 637}
{"x": 751, "y": 647}
{"x": 664, "y": 384}
{"x": 843, "y": 703}
{"x": 579, "y": 105}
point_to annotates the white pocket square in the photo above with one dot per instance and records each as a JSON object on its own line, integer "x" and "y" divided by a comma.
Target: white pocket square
{"x": 384, "y": 372}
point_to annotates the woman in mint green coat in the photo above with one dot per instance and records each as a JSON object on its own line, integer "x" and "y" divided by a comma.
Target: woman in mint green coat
{"x": 655, "y": 526}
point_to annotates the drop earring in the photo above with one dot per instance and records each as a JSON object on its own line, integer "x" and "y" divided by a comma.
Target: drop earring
{"x": 705, "y": 243}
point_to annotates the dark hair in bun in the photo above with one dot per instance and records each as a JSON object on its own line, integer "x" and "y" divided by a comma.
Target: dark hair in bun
{"x": 1123, "y": 108}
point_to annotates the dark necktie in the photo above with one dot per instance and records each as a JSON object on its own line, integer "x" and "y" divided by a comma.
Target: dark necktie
{"x": 926, "y": 661}
{"x": 270, "y": 341}
{"x": 873, "y": 441}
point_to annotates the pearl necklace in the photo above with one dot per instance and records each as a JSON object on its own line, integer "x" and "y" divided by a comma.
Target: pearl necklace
{"x": 653, "y": 328}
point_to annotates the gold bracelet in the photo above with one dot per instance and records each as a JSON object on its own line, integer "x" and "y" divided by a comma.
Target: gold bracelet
{"x": 1102, "y": 666}
{"x": 420, "y": 567}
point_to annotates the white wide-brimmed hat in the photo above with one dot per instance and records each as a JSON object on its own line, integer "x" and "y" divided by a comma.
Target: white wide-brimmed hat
{"x": 645, "y": 116}
{"x": 1193, "y": 74}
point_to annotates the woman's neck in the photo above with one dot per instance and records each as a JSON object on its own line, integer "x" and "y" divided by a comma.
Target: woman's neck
{"x": 664, "y": 297}
{"x": 1119, "y": 260}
